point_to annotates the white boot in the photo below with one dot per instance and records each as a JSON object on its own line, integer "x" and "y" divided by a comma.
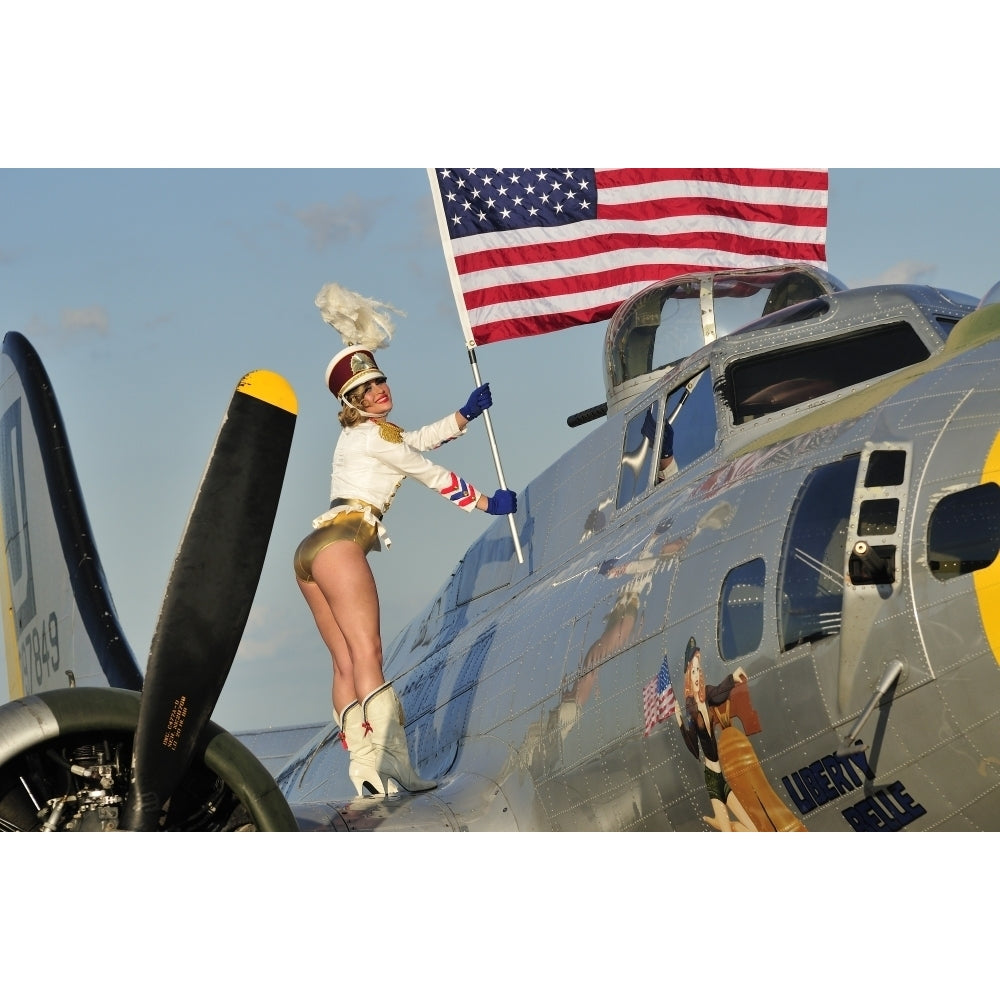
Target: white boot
{"x": 390, "y": 756}
{"x": 352, "y": 735}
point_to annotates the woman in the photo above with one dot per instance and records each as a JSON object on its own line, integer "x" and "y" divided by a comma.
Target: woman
{"x": 372, "y": 458}
{"x": 701, "y": 701}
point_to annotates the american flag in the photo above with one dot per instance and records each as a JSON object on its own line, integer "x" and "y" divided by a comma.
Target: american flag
{"x": 533, "y": 250}
{"x": 658, "y": 702}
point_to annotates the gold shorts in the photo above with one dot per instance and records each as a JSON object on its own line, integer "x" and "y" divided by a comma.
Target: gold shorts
{"x": 349, "y": 525}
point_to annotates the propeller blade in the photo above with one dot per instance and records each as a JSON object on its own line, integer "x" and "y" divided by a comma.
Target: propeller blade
{"x": 211, "y": 589}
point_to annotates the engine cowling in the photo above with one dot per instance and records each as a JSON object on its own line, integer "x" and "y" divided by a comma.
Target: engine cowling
{"x": 65, "y": 764}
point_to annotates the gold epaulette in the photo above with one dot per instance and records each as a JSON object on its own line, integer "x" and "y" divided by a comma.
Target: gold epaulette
{"x": 390, "y": 432}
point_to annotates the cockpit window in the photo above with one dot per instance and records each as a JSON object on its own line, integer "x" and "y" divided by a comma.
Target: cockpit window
{"x": 687, "y": 432}
{"x": 639, "y": 350}
{"x": 637, "y": 455}
{"x": 769, "y": 383}
{"x": 691, "y": 412}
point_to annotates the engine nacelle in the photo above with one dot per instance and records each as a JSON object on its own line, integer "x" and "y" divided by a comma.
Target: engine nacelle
{"x": 65, "y": 764}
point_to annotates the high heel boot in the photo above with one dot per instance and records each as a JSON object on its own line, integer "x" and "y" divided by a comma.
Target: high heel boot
{"x": 390, "y": 757}
{"x": 352, "y": 734}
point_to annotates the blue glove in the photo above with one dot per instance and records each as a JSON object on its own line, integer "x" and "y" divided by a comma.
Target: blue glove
{"x": 502, "y": 502}
{"x": 480, "y": 400}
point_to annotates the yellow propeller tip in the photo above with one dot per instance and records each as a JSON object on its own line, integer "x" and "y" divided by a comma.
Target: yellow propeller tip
{"x": 271, "y": 388}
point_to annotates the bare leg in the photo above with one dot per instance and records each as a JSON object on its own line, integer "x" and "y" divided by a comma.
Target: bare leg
{"x": 347, "y": 617}
{"x": 340, "y": 659}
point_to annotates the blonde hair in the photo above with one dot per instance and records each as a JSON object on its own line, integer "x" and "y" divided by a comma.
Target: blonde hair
{"x": 351, "y": 416}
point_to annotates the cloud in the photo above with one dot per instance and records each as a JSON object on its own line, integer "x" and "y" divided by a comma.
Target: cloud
{"x": 86, "y": 318}
{"x": 906, "y": 272}
{"x": 350, "y": 219}
{"x": 267, "y": 634}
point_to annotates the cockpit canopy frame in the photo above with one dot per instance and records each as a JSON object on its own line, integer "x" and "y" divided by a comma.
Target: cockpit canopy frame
{"x": 671, "y": 319}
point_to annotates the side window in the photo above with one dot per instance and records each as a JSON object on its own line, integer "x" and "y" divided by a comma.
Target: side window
{"x": 963, "y": 534}
{"x": 691, "y": 412}
{"x": 772, "y": 382}
{"x": 741, "y": 610}
{"x": 811, "y": 575}
{"x": 686, "y": 435}
{"x": 637, "y": 455}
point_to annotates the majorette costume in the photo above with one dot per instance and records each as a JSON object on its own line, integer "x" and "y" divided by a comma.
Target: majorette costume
{"x": 371, "y": 460}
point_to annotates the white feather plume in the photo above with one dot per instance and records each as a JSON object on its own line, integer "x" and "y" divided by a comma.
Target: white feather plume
{"x": 359, "y": 320}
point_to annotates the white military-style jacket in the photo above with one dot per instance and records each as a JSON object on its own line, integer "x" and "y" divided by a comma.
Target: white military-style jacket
{"x": 373, "y": 458}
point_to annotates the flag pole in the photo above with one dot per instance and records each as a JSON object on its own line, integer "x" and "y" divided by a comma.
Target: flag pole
{"x": 470, "y": 341}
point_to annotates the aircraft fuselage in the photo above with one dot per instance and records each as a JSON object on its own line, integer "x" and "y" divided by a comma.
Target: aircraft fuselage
{"x": 793, "y": 628}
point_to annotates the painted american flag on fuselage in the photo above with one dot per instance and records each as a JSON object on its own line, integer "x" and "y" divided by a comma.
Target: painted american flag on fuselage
{"x": 658, "y": 701}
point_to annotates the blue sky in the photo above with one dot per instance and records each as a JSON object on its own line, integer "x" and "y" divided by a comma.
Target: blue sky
{"x": 148, "y": 293}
